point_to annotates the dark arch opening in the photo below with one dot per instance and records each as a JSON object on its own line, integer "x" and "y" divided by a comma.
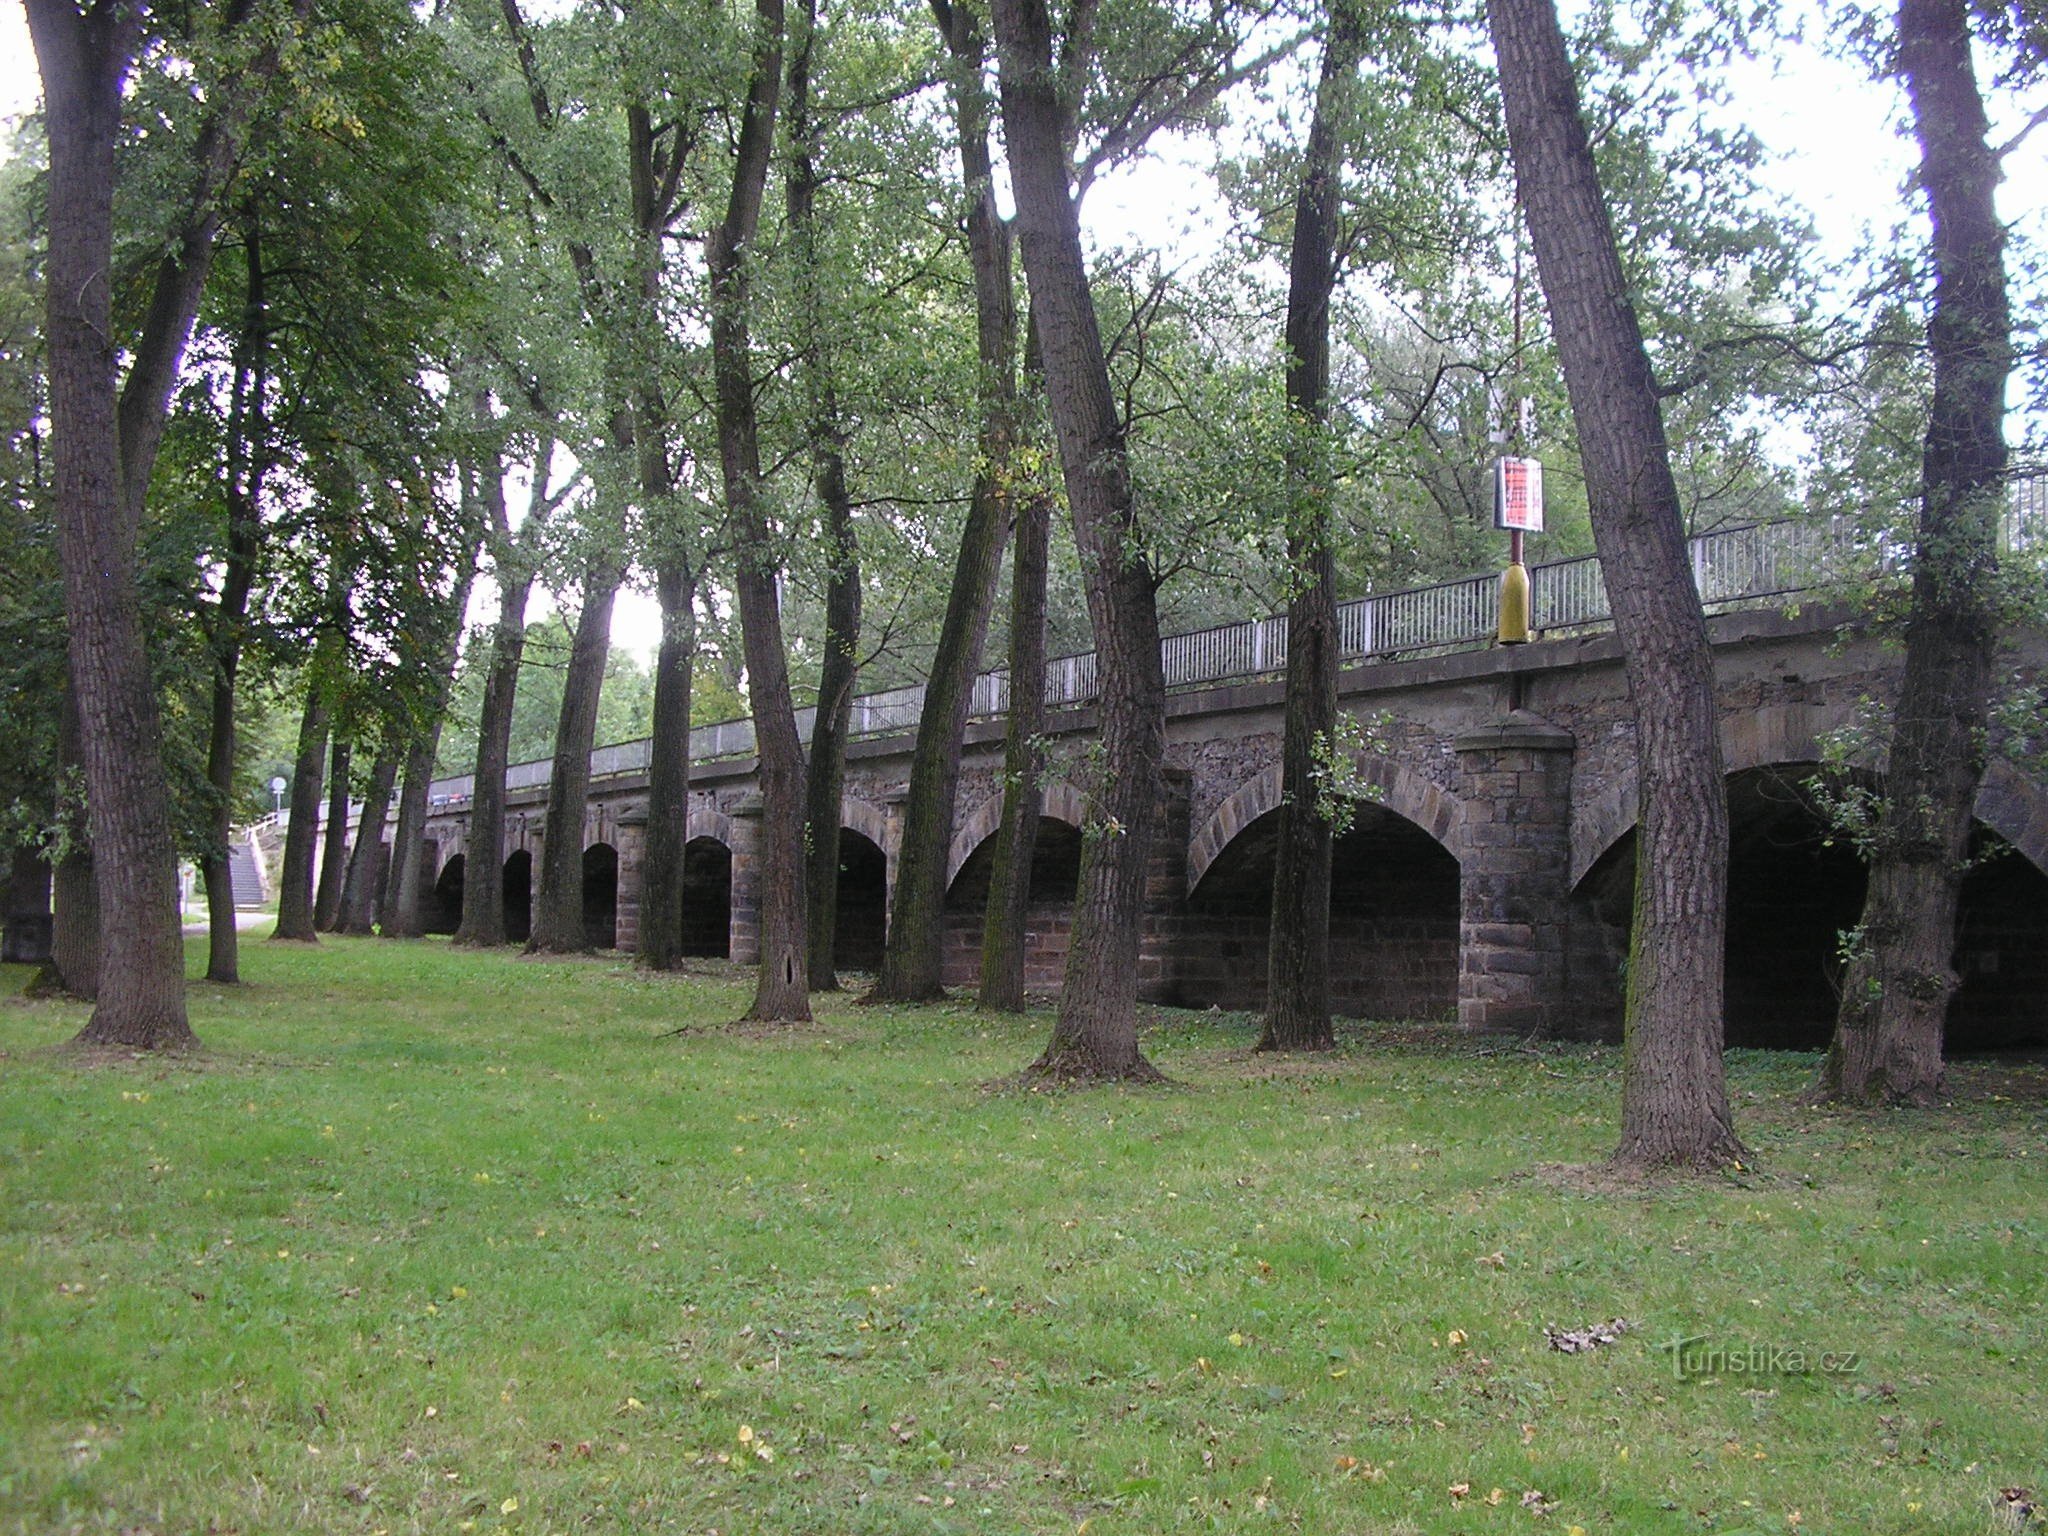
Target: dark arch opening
{"x": 443, "y": 912}
{"x": 1049, "y": 920}
{"x": 863, "y": 922}
{"x": 2001, "y": 954}
{"x": 1393, "y": 922}
{"x": 519, "y": 897}
{"x": 707, "y": 899}
{"x": 1793, "y": 889}
{"x": 601, "y": 896}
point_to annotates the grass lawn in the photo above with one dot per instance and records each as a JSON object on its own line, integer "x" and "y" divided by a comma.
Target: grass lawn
{"x": 436, "y": 1241}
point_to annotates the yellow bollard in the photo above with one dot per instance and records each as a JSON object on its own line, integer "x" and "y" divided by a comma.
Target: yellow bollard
{"x": 1514, "y": 605}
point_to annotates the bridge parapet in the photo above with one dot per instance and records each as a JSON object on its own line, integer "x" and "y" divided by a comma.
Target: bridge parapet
{"x": 1754, "y": 565}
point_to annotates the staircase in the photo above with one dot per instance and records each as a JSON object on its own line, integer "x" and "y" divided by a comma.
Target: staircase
{"x": 245, "y": 876}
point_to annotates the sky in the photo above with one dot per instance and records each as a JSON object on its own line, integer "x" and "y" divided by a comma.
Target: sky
{"x": 1837, "y": 155}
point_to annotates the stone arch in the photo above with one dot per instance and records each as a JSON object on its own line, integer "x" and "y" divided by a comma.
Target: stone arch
{"x": 1057, "y": 800}
{"x": 713, "y": 824}
{"x": 2008, "y": 802}
{"x": 2016, "y": 808}
{"x": 450, "y": 841}
{"x": 870, "y": 821}
{"x": 1400, "y": 789}
{"x": 1793, "y": 889}
{"x": 441, "y": 910}
{"x": 1769, "y": 737}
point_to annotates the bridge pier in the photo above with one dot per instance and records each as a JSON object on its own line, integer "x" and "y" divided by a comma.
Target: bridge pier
{"x": 1166, "y": 890}
{"x": 630, "y": 839}
{"x": 746, "y": 881}
{"x": 1515, "y": 885}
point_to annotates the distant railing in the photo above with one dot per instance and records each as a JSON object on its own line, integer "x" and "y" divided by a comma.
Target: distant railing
{"x": 1732, "y": 567}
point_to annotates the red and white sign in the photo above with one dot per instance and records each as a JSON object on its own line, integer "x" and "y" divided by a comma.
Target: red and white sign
{"x": 1518, "y": 494}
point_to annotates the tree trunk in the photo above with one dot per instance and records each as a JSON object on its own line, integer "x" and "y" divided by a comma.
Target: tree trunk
{"x": 1901, "y": 975}
{"x": 334, "y": 849}
{"x": 84, "y": 59}
{"x": 782, "y": 993}
{"x": 215, "y": 874}
{"x": 668, "y": 773}
{"x": 402, "y": 876}
{"x": 825, "y": 772}
{"x": 483, "y": 887}
{"x": 558, "y": 927}
{"x": 243, "y": 483}
{"x": 404, "y": 892}
{"x": 1095, "y": 1036}
{"x": 74, "y": 964}
{"x": 825, "y": 778}
{"x": 1298, "y": 955}
{"x": 295, "y": 879}
{"x": 1003, "y": 933}
{"x": 912, "y": 964}
{"x": 362, "y": 891}
{"x": 1674, "y": 1098}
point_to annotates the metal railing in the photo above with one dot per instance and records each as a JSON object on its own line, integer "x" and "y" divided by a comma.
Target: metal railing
{"x": 1749, "y": 566}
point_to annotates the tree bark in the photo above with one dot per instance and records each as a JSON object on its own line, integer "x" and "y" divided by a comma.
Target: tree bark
{"x": 243, "y": 486}
{"x": 483, "y": 888}
{"x": 104, "y": 446}
{"x": 1901, "y": 974}
{"x": 102, "y": 467}
{"x": 558, "y": 926}
{"x": 1095, "y": 1036}
{"x": 673, "y": 528}
{"x": 825, "y": 776}
{"x": 363, "y": 890}
{"x": 334, "y": 849}
{"x": 1298, "y": 953}
{"x": 404, "y": 891}
{"x": 782, "y": 993}
{"x": 912, "y": 964}
{"x": 1674, "y": 1098}
{"x": 483, "y": 895}
{"x": 558, "y": 901}
{"x": 668, "y": 772}
{"x": 1003, "y": 932}
{"x": 401, "y": 906}
{"x": 825, "y": 770}
{"x": 295, "y": 879}
{"x": 74, "y": 964}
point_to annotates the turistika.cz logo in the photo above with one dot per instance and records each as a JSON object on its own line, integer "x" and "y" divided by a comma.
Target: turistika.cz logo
{"x": 1695, "y": 1357}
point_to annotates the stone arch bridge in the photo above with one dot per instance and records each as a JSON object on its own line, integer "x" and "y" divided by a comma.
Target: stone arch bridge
{"x": 1486, "y": 880}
